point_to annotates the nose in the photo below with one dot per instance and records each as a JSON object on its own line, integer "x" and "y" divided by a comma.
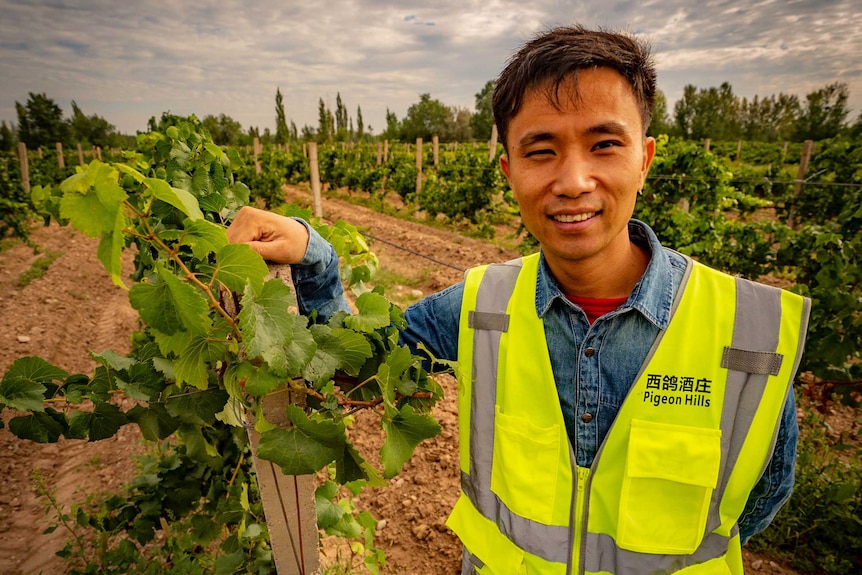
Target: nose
{"x": 574, "y": 175}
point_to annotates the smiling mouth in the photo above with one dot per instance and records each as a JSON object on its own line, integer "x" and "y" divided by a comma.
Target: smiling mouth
{"x": 570, "y": 218}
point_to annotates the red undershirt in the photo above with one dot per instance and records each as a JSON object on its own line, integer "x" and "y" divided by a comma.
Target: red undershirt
{"x": 596, "y": 307}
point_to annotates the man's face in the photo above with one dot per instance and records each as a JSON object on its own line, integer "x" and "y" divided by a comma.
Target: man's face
{"x": 576, "y": 171}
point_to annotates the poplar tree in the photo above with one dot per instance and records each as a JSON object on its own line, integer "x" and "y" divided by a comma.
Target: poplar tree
{"x": 282, "y": 135}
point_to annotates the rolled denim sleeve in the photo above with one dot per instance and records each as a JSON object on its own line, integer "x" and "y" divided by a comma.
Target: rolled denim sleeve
{"x": 775, "y": 486}
{"x": 316, "y": 280}
{"x": 434, "y": 322}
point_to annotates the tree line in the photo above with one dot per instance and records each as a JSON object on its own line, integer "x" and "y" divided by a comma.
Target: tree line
{"x": 700, "y": 113}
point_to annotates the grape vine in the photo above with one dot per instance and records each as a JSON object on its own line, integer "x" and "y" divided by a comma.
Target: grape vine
{"x": 200, "y": 361}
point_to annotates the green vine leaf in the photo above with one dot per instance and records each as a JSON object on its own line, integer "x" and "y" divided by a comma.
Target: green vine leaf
{"x": 154, "y": 421}
{"x": 355, "y": 350}
{"x": 238, "y": 264}
{"x": 199, "y": 407}
{"x": 22, "y": 394}
{"x": 258, "y": 380}
{"x": 21, "y": 387}
{"x": 270, "y": 332}
{"x": 328, "y": 356}
{"x": 178, "y": 198}
{"x": 170, "y": 305}
{"x": 41, "y": 427}
{"x": 307, "y": 447}
{"x": 373, "y": 313}
{"x": 203, "y": 237}
{"x": 101, "y": 423}
{"x": 328, "y": 513}
{"x": 97, "y": 210}
{"x": 403, "y": 433}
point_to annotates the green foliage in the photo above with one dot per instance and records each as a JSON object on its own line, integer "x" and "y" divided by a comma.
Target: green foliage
{"x": 460, "y": 188}
{"x": 483, "y": 119}
{"x": 40, "y": 121}
{"x": 820, "y": 529}
{"x": 15, "y": 206}
{"x": 217, "y": 337}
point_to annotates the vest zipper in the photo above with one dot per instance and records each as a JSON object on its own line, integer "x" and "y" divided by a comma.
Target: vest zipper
{"x": 580, "y": 519}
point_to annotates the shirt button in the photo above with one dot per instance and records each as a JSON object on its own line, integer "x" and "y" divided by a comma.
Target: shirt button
{"x": 589, "y": 352}
{"x": 586, "y": 418}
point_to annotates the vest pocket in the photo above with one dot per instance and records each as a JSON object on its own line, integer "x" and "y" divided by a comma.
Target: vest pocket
{"x": 670, "y": 473}
{"x": 525, "y": 466}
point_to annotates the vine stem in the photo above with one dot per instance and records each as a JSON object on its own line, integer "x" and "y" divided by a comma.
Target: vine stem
{"x": 190, "y": 276}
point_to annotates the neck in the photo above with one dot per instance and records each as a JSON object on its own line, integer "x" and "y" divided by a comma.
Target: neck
{"x": 602, "y": 277}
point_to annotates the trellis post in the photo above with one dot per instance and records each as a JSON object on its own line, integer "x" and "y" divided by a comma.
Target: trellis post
{"x": 418, "y": 165}
{"x": 25, "y": 166}
{"x": 288, "y": 500}
{"x": 315, "y": 179}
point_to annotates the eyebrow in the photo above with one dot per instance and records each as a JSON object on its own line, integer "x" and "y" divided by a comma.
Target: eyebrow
{"x": 611, "y": 127}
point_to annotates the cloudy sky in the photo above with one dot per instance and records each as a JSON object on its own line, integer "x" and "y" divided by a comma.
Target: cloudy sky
{"x": 127, "y": 61}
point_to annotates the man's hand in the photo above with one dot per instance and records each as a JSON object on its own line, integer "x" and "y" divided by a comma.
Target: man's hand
{"x": 276, "y": 238}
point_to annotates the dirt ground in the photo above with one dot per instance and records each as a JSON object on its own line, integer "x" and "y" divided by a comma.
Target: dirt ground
{"x": 75, "y": 309}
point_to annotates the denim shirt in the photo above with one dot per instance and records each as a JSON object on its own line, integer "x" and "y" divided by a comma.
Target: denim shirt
{"x": 592, "y": 383}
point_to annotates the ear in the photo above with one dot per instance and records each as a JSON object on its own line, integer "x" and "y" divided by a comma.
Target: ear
{"x": 649, "y": 154}
{"x": 504, "y": 166}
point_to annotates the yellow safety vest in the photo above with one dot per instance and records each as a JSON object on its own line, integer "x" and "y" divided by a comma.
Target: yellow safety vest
{"x": 673, "y": 475}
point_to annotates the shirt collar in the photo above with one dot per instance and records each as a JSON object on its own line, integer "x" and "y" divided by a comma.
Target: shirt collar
{"x": 652, "y": 296}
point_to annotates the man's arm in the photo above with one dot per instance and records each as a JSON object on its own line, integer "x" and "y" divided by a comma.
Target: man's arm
{"x": 775, "y": 486}
{"x": 313, "y": 261}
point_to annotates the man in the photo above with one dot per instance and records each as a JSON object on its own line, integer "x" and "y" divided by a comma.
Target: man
{"x": 623, "y": 409}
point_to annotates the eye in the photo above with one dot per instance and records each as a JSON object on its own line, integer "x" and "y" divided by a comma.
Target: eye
{"x": 540, "y": 152}
{"x": 606, "y": 144}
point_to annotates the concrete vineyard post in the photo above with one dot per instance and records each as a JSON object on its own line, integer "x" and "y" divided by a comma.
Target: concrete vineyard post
{"x": 288, "y": 500}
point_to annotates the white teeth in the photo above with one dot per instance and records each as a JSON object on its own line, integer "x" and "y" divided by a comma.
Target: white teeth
{"x": 568, "y": 218}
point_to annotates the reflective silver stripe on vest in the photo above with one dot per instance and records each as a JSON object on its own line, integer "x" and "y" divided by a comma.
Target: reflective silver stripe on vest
{"x": 756, "y": 329}
{"x": 549, "y": 542}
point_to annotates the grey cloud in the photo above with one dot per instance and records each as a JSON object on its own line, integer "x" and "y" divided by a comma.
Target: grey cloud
{"x": 127, "y": 61}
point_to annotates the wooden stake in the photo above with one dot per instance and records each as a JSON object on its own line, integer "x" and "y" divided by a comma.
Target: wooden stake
{"x": 256, "y": 153}
{"x": 418, "y": 165}
{"x": 25, "y": 166}
{"x": 706, "y": 144}
{"x": 80, "y": 155}
{"x": 61, "y": 161}
{"x": 807, "y": 149}
{"x": 315, "y": 179}
{"x": 435, "y": 142}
